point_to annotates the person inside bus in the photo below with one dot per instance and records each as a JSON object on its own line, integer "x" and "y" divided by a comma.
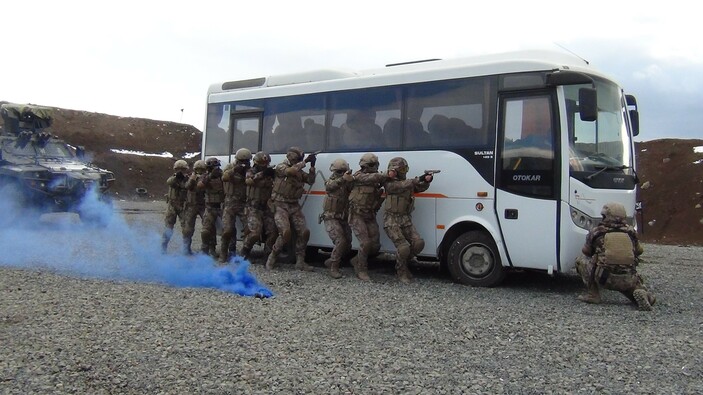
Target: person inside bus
{"x": 314, "y": 134}
{"x": 287, "y": 132}
{"x": 361, "y": 131}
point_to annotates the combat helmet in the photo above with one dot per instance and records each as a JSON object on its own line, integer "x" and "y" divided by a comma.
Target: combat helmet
{"x": 212, "y": 162}
{"x": 369, "y": 161}
{"x": 294, "y": 155}
{"x": 243, "y": 155}
{"x": 339, "y": 165}
{"x": 613, "y": 211}
{"x": 180, "y": 165}
{"x": 199, "y": 167}
{"x": 400, "y": 165}
{"x": 261, "y": 158}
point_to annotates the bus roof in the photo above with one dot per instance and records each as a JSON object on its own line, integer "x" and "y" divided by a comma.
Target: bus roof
{"x": 322, "y": 80}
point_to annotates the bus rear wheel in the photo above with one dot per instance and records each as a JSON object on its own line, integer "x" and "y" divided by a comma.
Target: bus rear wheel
{"x": 473, "y": 259}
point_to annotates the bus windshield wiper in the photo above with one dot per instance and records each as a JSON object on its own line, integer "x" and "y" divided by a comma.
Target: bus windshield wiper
{"x": 607, "y": 167}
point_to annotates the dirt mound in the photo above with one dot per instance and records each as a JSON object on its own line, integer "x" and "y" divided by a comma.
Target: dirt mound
{"x": 670, "y": 171}
{"x": 671, "y": 191}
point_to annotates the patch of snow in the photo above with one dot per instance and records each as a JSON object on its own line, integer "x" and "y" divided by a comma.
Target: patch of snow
{"x": 190, "y": 155}
{"x": 644, "y": 150}
{"x": 698, "y": 150}
{"x": 699, "y": 161}
{"x": 140, "y": 153}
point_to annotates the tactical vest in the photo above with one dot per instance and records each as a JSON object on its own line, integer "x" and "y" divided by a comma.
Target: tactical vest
{"x": 364, "y": 197}
{"x": 195, "y": 197}
{"x": 287, "y": 188}
{"x": 400, "y": 203}
{"x": 214, "y": 193}
{"x": 177, "y": 194}
{"x": 618, "y": 249}
{"x": 259, "y": 193}
{"x": 336, "y": 202}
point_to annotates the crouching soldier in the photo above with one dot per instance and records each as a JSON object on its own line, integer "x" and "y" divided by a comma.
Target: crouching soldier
{"x": 612, "y": 253}
{"x": 397, "y": 220}
{"x": 335, "y": 213}
{"x": 175, "y": 201}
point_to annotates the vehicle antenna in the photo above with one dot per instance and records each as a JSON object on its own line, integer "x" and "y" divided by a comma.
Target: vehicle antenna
{"x": 571, "y": 52}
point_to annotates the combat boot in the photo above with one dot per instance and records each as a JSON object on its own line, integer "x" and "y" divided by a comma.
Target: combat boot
{"x": 271, "y": 261}
{"x": 301, "y": 265}
{"x": 642, "y": 298}
{"x": 164, "y": 247}
{"x": 404, "y": 274}
{"x": 245, "y": 252}
{"x": 360, "y": 269}
{"x": 334, "y": 270}
{"x": 593, "y": 294}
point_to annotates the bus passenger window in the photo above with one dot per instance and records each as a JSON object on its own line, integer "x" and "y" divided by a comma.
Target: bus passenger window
{"x": 360, "y": 131}
{"x": 313, "y": 135}
{"x": 287, "y": 133}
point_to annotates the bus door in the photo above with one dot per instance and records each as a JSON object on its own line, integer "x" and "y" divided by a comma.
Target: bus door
{"x": 526, "y": 193}
{"x": 245, "y": 132}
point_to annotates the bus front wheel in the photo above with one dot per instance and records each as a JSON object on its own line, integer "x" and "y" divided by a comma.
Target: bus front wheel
{"x": 473, "y": 259}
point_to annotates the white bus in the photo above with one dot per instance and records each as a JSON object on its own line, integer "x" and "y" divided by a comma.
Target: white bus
{"x": 530, "y": 144}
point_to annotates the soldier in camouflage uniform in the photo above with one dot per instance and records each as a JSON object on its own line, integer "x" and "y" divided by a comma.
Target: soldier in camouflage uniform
{"x": 612, "y": 253}
{"x": 288, "y": 187}
{"x": 365, "y": 199}
{"x": 175, "y": 201}
{"x": 397, "y": 220}
{"x": 233, "y": 179}
{"x": 212, "y": 184}
{"x": 336, "y": 212}
{"x": 195, "y": 205}
{"x": 259, "y": 181}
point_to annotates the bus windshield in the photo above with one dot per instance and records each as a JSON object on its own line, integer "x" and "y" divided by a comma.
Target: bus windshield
{"x": 603, "y": 144}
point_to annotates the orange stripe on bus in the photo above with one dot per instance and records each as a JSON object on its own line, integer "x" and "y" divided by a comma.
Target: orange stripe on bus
{"x": 420, "y": 195}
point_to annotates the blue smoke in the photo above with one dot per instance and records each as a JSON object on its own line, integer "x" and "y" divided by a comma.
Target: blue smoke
{"x": 103, "y": 245}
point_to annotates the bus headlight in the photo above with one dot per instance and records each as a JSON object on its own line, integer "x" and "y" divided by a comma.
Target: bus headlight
{"x": 582, "y": 220}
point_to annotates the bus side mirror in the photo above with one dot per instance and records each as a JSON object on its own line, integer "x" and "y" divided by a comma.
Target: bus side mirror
{"x": 588, "y": 104}
{"x": 635, "y": 122}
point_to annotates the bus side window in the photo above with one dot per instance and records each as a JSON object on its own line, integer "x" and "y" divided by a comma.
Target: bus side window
{"x": 287, "y": 133}
{"x": 360, "y": 130}
{"x": 391, "y": 132}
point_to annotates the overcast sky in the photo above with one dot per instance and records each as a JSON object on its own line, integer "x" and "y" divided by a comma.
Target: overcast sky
{"x": 153, "y": 58}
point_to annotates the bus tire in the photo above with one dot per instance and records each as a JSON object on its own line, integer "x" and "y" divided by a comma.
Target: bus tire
{"x": 473, "y": 259}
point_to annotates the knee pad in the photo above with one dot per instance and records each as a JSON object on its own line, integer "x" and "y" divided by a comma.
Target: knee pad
{"x": 417, "y": 246}
{"x": 404, "y": 252}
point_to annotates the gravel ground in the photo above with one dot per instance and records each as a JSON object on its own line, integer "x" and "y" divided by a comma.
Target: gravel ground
{"x": 65, "y": 334}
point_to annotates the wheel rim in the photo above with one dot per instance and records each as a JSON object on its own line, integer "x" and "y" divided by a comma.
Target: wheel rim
{"x": 477, "y": 260}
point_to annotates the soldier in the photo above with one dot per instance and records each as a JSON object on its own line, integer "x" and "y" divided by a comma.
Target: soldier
{"x": 612, "y": 253}
{"x": 195, "y": 205}
{"x": 211, "y": 183}
{"x": 175, "y": 201}
{"x": 287, "y": 190}
{"x": 259, "y": 181}
{"x": 335, "y": 213}
{"x": 397, "y": 221}
{"x": 235, "y": 201}
{"x": 365, "y": 199}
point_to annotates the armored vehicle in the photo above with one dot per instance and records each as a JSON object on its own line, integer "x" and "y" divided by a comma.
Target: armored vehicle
{"x": 40, "y": 171}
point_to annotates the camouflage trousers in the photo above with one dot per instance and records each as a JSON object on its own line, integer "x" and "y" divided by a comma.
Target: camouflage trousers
{"x": 407, "y": 240}
{"x": 173, "y": 212}
{"x": 366, "y": 231}
{"x": 285, "y": 215}
{"x": 623, "y": 280}
{"x": 209, "y": 232}
{"x": 259, "y": 223}
{"x": 341, "y": 235}
{"x": 231, "y": 212}
{"x": 192, "y": 212}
